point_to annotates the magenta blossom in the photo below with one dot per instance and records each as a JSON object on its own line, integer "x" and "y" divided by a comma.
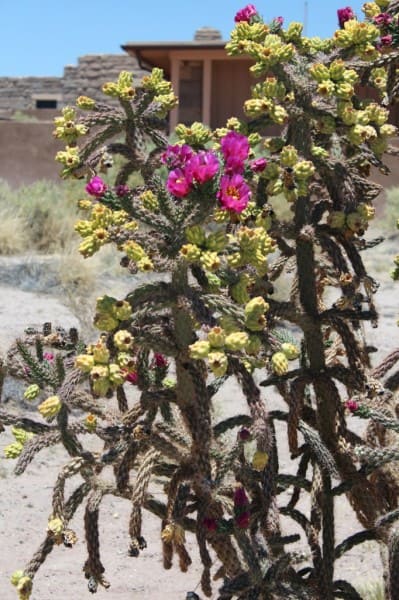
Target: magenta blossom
{"x": 240, "y": 497}
{"x": 179, "y": 183}
{"x": 210, "y": 524}
{"x": 234, "y": 193}
{"x": 242, "y": 520}
{"x": 202, "y": 166}
{"x": 48, "y": 356}
{"x": 344, "y": 15}
{"x": 386, "y": 40}
{"x": 383, "y": 19}
{"x": 132, "y": 377}
{"x": 258, "y": 165}
{"x": 175, "y": 157}
{"x": 277, "y": 23}
{"x": 352, "y": 405}
{"x": 96, "y": 187}
{"x": 122, "y": 190}
{"x": 235, "y": 149}
{"x": 246, "y": 13}
{"x": 160, "y": 360}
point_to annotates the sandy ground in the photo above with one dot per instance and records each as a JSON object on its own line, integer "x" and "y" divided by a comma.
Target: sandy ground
{"x": 25, "y": 501}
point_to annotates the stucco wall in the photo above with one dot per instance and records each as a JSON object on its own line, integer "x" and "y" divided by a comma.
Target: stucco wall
{"x": 27, "y": 152}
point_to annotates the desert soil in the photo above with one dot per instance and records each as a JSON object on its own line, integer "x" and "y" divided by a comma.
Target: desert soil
{"x": 25, "y": 501}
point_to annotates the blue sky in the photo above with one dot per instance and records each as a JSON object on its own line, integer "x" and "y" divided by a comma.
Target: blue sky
{"x": 41, "y": 37}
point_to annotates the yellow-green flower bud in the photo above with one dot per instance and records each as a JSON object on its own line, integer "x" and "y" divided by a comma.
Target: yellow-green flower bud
{"x": 55, "y": 526}
{"x": 293, "y": 32}
{"x": 105, "y": 322}
{"x": 115, "y": 374}
{"x": 50, "y": 408}
{"x": 32, "y": 391}
{"x": 290, "y": 350}
{"x": 199, "y": 349}
{"x": 145, "y": 264}
{"x": 90, "y": 422}
{"x": 24, "y": 588}
{"x": 217, "y": 241}
{"x": 217, "y": 363}
{"x": 279, "y": 363}
{"x": 216, "y": 337}
{"x": 304, "y": 169}
{"x": 100, "y": 353}
{"x": 388, "y": 130}
{"x": 254, "y": 345}
{"x": 16, "y": 576}
{"x": 356, "y": 222}
{"x": 122, "y": 310}
{"x": 371, "y": 9}
{"x": 344, "y": 90}
{"x": 289, "y": 156}
{"x": 85, "y": 103}
{"x": 210, "y": 260}
{"x": 13, "y": 450}
{"x": 256, "y": 306}
{"x": 195, "y": 235}
{"x": 123, "y": 340}
{"x": 326, "y": 88}
{"x": 366, "y": 211}
{"x": 336, "y": 219}
{"x": 319, "y": 72}
{"x": 255, "y": 322}
{"x": 89, "y": 246}
{"x": 100, "y": 380}
{"x": 133, "y": 250}
{"x": 319, "y": 152}
{"x": 84, "y": 362}
{"x": 83, "y": 228}
{"x": 337, "y": 69}
{"x": 105, "y": 304}
{"x": 236, "y": 341}
{"x": 278, "y": 114}
{"x": 190, "y": 252}
{"x": 21, "y": 435}
{"x": 260, "y": 460}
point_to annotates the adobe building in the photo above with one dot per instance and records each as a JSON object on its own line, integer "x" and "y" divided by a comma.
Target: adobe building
{"x": 211, "y": 86}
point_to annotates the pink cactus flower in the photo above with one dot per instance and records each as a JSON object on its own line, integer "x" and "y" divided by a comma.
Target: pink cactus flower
{"x": 235, "y": 149}
{"x": 258, "y": 165}
{"x": 49, "y": 356}
{"x": 122, "y": 190}
{"x": 132, "y": 377}
{"x": 246, "y": 13}
{"x": 179, "y": 183}
{"x": 202, "y": 166}
{"x": 344, "y": 15}
{"x": 240, "y": 497}
{"x": 383, "y": 19}
{"x": 175, "y": 157}
{"x": 352, "y": 405}
{"x": 96, "y": 187}
{"x": 234, "y": 193}
{"x": 386, "y": 40}
{"x": 160, "y": 360}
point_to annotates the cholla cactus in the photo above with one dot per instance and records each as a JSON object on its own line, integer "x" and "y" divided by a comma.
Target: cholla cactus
{"x": 202, "y": 214}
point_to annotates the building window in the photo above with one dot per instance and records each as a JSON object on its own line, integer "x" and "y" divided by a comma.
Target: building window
{"x": 46, "y": 103}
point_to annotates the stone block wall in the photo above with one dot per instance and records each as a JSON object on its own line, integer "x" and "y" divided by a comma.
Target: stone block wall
{"x": 85, "y": 78}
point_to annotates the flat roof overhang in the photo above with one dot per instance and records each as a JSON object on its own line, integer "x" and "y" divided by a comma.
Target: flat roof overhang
{"x": 158, "y": 54}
